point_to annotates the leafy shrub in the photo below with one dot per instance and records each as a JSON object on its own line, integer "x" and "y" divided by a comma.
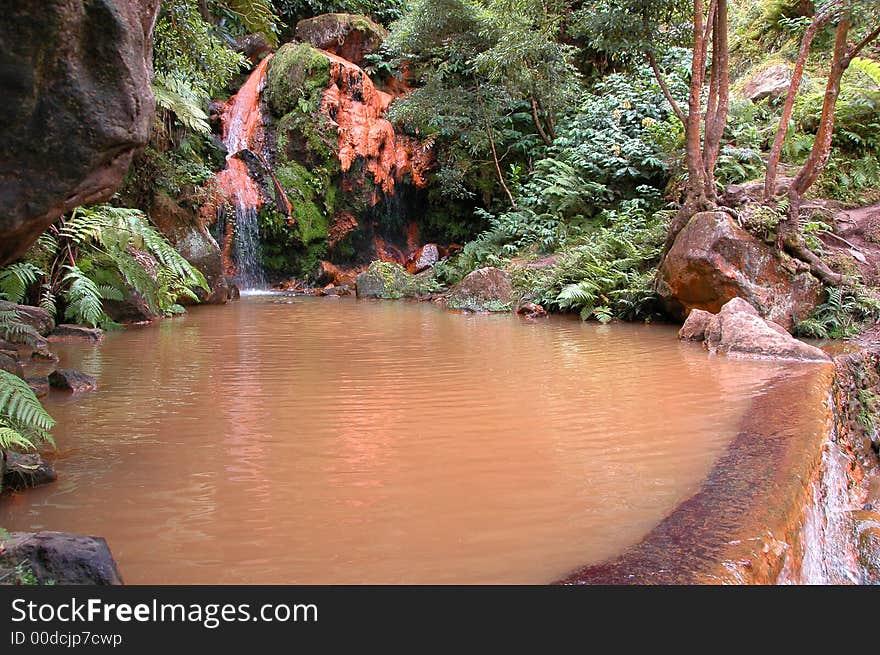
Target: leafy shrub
{"x": 846, "y": 312}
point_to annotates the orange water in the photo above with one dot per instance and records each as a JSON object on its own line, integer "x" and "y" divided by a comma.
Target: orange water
{"x": 340, "y": 441}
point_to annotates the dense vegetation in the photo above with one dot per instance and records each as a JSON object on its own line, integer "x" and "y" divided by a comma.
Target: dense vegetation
{"x": 585, "y": 129}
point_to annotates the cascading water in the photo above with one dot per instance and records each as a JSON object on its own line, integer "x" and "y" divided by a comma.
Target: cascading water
{"x": 243, "y": 133}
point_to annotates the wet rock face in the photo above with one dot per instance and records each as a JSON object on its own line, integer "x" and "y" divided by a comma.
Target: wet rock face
{"x": 713, "y": 260}
{"x": 76, "y": 82}
{"x": 62, "y": 558}
{"x": 191, "y": 238}
{"x": 349, "y": 36}
{"x": 739, "y": 331}
{"x": 484, "y": 290}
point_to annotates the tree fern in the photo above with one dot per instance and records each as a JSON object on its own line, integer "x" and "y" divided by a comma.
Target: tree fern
{"x": 24, "y": 422}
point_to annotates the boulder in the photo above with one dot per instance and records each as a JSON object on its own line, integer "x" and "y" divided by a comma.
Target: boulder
{"x": 531, "y": 310}
{"x": 713, "y": 260}
{"x": 424, "y": 258}
{"x": 71, "y": 380}
{"x": 66, "y": 332}
{"x": 349, "y": 36}
{"x": 61, "y": 558}
{"x": 385, "y": 280}
{"x": 738, "y": 330}
{"x": 26, "y": 471}
{"x": 36, "y": 317}
{"x": 484, "y": 290}
{"x": 694, "y": 328}
{"x": 772, "y": 82}
{"x": 194, "y": 242}
{"x": 76, "y": 83}
{"x": 11, "y": 364}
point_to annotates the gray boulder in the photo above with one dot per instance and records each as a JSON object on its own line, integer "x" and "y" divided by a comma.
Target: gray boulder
{"x": 61, "y": 558}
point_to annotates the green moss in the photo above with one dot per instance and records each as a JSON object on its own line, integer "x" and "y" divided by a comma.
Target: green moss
{"x": 297, "y": 77}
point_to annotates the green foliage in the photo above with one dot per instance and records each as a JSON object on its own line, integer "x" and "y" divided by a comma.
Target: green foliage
{"x": 24, "y": 423}
{"x": 175, "y": 95}
{"x": 383, "y": 11}
{"x": 114, "y": 251}
{"x": 192, "y": 52}
{"x": 492, "y": 75}
{"x": 847, "y": 311}
{"x": 15, "y": 280}
{"x": 13, "y": 328}
{"x": 608, "y": 272}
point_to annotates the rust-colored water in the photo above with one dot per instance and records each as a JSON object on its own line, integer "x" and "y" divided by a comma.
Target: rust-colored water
{"x": 342, "y": 441}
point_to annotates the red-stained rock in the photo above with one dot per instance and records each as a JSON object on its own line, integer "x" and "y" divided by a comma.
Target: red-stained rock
{"x": 423, "y": 259}
{"x": 357, "y": 109}
{"x": 79, "y": 104}
{"x": 694, "y": 328}
{"x": 739, "y": 331}
{"x": 713, "y": 261}
{"x": 531, "y": 310}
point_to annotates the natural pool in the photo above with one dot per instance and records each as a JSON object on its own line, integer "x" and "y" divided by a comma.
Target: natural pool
{"x": 302, "y": 440}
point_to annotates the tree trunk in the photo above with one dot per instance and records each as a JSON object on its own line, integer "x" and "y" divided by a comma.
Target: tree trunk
{"x": 788, "y": 107}
{"x": 719, "y": 96}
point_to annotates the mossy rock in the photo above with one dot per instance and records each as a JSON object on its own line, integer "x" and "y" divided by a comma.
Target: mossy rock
{"x": 297, "y": 77}
{"x": 484, "y": 290}
{"x": 386, "y": 280}
{"x": 351, "y": 36}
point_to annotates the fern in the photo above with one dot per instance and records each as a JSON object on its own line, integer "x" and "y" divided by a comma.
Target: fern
{"x": 24, "y": 422}
{"x": 15, "y": 280}
{"x": 12, "y": 328}
{"x": 174, "y": 94}
{"x": 83, "y": 297}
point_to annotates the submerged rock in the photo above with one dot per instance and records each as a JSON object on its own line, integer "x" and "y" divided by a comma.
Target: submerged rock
{"x": 349, "y": 36}
{"x": 386, "y": 280}
{"x": 76, "y": 82}
{"x": 713, "y": 260}
{"x": 66, "y": 332}
{"x": 39, "y": 385}
{"x": 61, "y": 558}
{"x": 739, "y": 331}
{"x": 484, "y": 290}
{"x": 25, "y": 471}
{"x": 531, "y": 310}
{"x": 71, "y": 380}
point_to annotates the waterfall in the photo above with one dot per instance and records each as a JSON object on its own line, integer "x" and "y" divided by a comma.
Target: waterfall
{"x": 243, "y": 133}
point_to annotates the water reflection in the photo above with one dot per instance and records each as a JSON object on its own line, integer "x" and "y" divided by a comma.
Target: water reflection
{"x": 337, "y": 441}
